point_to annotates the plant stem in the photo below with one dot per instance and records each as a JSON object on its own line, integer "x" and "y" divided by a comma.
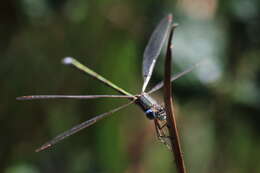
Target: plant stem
{"x": 171, "y": 121}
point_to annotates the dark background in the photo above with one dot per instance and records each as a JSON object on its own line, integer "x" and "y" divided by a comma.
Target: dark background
{"x": 217, "y": 105}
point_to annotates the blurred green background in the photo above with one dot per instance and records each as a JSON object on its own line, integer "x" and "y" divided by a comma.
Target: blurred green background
{"x": 217, "y": 104}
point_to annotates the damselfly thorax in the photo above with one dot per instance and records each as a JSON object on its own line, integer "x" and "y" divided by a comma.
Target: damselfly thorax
{"x": 151, "y": 108}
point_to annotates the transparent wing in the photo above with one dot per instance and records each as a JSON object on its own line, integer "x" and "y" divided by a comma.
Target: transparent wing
{"x": 79, "y": 127}
{"x": 41, "y": 97}
{"x": 174, "y": 77}
{"x": 154, "y": 47}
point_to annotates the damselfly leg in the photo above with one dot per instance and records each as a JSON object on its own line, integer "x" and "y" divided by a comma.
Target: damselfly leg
{"x": 162, "y": 132}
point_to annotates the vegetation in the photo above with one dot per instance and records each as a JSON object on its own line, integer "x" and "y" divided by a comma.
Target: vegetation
{"x": 217, "y": 104}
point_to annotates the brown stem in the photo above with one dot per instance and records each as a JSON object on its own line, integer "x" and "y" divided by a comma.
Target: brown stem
{"x": 171, "y": 121}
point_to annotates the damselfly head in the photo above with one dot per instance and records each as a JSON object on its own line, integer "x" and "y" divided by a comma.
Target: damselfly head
{"x": 156, "y": 113}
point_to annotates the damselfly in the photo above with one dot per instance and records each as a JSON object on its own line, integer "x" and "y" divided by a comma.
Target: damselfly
{"x": 151, "y": 108}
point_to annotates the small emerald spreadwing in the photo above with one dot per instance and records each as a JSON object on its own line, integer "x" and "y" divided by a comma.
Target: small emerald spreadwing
{"x": 151, "y": 108}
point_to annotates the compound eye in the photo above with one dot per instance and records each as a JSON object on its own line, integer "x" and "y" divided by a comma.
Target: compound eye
{"x": 150, "y": 114}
